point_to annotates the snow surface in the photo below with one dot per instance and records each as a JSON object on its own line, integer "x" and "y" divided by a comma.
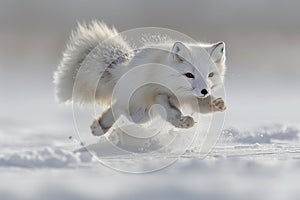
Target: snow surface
{"x": 260, "y": 164}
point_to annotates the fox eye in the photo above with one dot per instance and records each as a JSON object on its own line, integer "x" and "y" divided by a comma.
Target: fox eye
{"x": 189, "y": 75}
{"x": 211, "y": 74}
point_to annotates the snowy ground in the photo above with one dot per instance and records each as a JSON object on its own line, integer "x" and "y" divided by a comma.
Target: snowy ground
{"x": 260, "y": 164}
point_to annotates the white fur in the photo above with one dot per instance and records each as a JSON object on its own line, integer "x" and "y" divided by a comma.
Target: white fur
{"x": 82, "y": 42}
{"x": 98, "y": 53}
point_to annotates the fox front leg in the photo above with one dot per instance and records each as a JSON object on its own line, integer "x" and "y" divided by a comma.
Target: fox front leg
{"x": 174, "y": 115}
{"x": 103, "y": 123}
{"x": 211, "y": 104}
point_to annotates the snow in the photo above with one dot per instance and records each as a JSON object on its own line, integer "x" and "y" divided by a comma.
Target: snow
{"x": 237, "y": 168}
{"x": 267, "y": 134}
{"x": 278, "y": 139}
{"x": 49, "y": 157}
{"x": 187, "y": 179}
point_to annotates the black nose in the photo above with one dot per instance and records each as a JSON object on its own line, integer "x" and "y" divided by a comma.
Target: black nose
{"x": 204, "y": 92}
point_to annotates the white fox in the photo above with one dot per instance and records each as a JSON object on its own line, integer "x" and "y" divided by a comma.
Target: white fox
{"x": 99, "y": 53}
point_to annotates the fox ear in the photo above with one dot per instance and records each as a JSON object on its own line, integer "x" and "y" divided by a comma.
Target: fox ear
{"x": 180, "y": 52}
{"x": 217, "y": 52}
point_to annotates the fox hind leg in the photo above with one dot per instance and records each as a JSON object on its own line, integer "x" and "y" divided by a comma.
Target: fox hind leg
{"x": 103, "y": 123}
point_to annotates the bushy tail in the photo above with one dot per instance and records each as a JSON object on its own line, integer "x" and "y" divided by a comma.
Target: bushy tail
{"x": 82, "y": 42}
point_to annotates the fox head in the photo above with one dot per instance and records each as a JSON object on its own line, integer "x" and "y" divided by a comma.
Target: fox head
{"x": 187, "y": 69}
{"x": 203, "y": 66}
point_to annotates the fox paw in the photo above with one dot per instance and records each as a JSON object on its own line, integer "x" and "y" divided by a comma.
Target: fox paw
{"x": 96, "y": 128}
{"x": 218, "y": 104}
{"x": 186, "y": 122}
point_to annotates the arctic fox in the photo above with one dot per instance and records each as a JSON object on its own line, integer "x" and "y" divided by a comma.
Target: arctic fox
{"x": 97, "y": 57}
